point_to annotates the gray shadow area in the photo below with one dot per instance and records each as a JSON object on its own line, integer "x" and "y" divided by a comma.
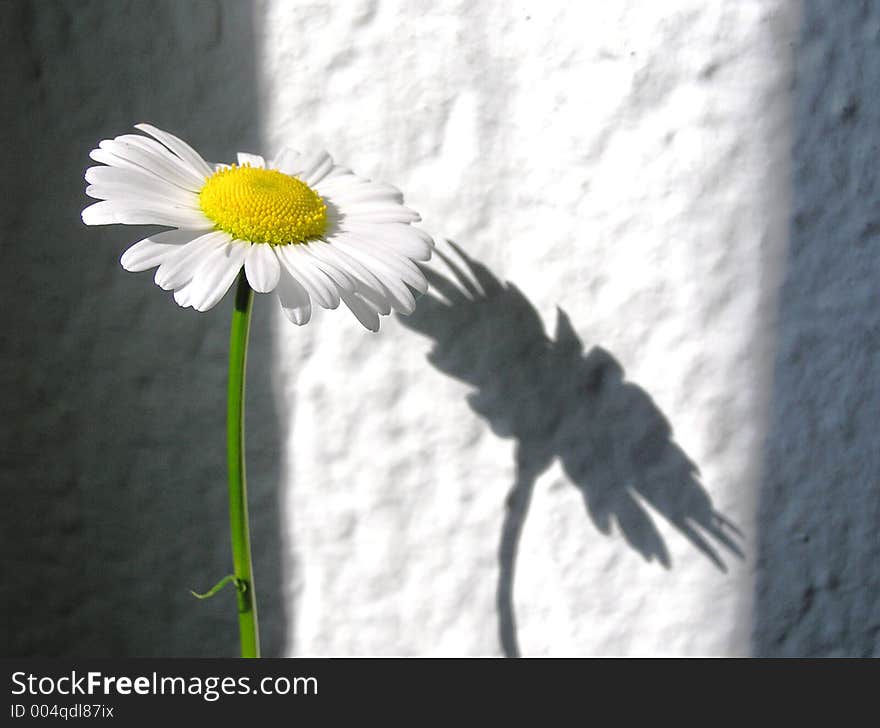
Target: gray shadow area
{"x": 557, "y": 400}
{"x": 818, "y": 585}
{"x": 113, "y": 434}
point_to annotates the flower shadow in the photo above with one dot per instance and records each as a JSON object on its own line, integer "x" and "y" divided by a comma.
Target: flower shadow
{"x": 556, "y": 401}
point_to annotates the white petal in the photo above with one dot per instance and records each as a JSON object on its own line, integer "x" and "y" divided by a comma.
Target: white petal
{"x": 182, "y": 295}
{"x": 262, "y": 268}
{"x": 378, "y": 213}
{"x": 178, "y": 237}
{"x": 154, "y": 250}
{"x": 401, "y": 297}
{"x": 131, "y": 212}
{"x": 111, "y": 160}
{"x": 367, "y": 194}
{"x": 120, "y": 182}
{"x": 157, "y": 215}
{"x": 313, "y": 280}
{"x": 215, "y": 275}
{"x": 127, "y": 197}
{"x": 405, "y": 240}
{"x": 162, "y": 156}
{"x": 144, "y": 255}
{"x": 315, "y": 167}
{"x": 251, "y": 160}
{"x": 365, "y": 282}
{"x": 377, "y": 298}
{"x": 142, "y": 201}
{"x": 334, "y": 272}
{"x": 154, "y": 162}
{"x": 288, "y": 161}
{"x": 178, "y": 269}
{"x": 402, "y": 267}
{"x": 352, "y": 267}
{"x": 337, "y": 171}
{"x": 179, "y": 147}
{"x": 294, "y": 298}
{"x": 362, "y": 310}
{"x": 100, "y": 213}
{"x": 344, "y": 183}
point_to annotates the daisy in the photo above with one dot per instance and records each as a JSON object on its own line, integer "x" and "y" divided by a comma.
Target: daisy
{"x": 301, "y": 226}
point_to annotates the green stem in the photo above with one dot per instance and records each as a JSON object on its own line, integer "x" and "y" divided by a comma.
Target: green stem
{"x": 238, "y": 511}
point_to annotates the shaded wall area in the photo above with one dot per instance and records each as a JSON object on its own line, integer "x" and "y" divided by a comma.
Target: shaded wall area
{"x": 819, "y": 553}
{"x": 112, "y": 455}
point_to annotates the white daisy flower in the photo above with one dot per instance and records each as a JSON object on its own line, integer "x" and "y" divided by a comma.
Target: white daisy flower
{"x": 300, "y": 225}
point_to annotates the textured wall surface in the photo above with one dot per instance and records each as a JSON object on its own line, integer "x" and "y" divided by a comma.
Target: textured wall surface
{"x": 632, "y": 416}
{"x": 818, "y": 578}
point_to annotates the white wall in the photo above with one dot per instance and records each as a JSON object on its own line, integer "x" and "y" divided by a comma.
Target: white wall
{"x": 624, "y": 163}
{"x": 650, "y": 434}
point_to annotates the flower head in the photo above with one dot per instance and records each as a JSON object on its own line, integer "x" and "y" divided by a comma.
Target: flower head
{"x": 300, "y": 225}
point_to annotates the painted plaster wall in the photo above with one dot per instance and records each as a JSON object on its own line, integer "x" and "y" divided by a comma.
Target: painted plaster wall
{"x": 617, "y": 175}
{"x": 632, "y": 417}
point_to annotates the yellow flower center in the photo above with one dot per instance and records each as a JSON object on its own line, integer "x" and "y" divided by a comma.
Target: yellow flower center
{"x": 263, "y": 206}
